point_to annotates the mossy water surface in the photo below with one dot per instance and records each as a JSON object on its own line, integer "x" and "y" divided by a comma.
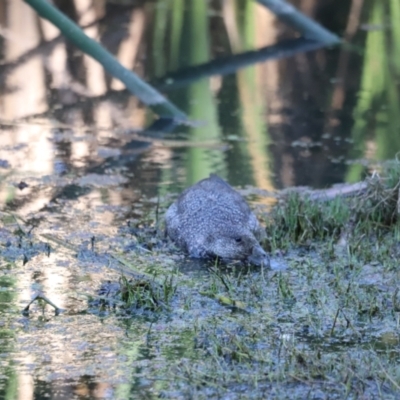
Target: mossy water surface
{"x": 325, "y": 324}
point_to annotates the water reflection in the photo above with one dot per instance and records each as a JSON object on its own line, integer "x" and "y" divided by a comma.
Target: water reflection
{"x": 278, "y": 118}
{"x": 313, "y": 119}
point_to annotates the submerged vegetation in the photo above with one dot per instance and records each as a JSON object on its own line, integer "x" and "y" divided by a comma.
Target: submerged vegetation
{"x": 324, "y": 320}
{"x": 328, "y": 323}
{"x": 135, "y": 294}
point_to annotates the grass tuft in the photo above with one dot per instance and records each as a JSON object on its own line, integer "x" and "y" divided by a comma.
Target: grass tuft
{"x": 300, "y": 220}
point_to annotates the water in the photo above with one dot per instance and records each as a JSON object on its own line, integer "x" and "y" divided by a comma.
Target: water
{"x": 314, "y": 119}
{"x": 83, "y": 147}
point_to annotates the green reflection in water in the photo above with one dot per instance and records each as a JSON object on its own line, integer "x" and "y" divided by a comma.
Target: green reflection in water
{"x": 377, "y": 116}
{"x": 253, "y": 103}
{"x": 177, "y": 13}
{"x": 201, "y": 105}
{"x": 209, "y": 100}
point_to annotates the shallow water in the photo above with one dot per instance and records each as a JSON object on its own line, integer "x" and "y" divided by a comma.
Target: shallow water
{"x": 314, "y": 119}
{"x": 79, "y": 157}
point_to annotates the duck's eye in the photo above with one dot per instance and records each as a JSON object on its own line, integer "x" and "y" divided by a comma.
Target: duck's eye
{"x": 238, "y": 240}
